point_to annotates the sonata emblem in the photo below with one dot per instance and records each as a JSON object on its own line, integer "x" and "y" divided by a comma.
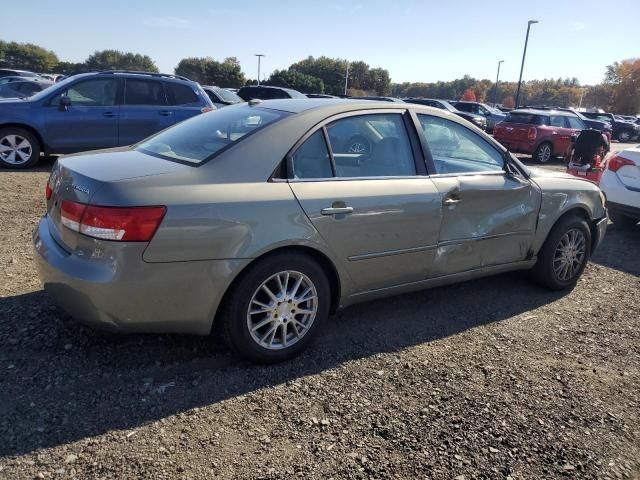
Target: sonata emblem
{"x": 80, "y": 188}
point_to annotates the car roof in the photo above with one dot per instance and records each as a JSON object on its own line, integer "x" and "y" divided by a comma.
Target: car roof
{"x": 338, "y": 105}
{"x": 269, "y": 86}
{"x": 127, "y": 73}
{"x": 535, "y": 111}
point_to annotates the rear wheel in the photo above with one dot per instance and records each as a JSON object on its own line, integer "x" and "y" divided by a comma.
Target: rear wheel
{"x": 543, "y": 153}
{"x": 564, "y": 254}
{"x": 19, "y": 148}
{"x": 625, "y": 136}
{"x": 276, "y": 308}
{"x": 621, "y": 220}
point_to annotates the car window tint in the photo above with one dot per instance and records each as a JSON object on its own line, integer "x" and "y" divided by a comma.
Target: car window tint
{"x": 556, "y": 121}
{"x": 575, "y": 122}
{"x": 179, "y": 94}
{"x": 143, "y": 92}
{"x": 456, "y": 149}
{"x": 91, "y": 93}
{"x": 212, "y": 96}
{"x": 374, "y": 145}
{"x": 311, "y": 159}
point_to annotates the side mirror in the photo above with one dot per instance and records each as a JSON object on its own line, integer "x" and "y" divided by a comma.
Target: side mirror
{"x": 65, "y": 103}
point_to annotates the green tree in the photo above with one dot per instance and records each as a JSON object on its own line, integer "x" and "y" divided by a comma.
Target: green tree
{"x": 27, "y": 56}
{"x": 296, "y": 80}
{"x": 211, "y": 72}
{"x": 116, "y": 60}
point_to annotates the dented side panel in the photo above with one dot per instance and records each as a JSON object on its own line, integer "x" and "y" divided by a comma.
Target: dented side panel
{"x": 492, "y": 221}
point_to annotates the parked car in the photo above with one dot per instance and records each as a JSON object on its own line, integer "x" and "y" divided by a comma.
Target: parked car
{"x": 252, "y": 220}
{"x": 265, "y": 92}
{"x": 493, "y": 115}
{"x": 542, "y": 133}
{"x": 620, "y": 182}
{"x": 10, "y": 72}
{"x": 380, "y": 99}
{"x": 478, "y": 120}
{"x": 21, "y": 89}
{"x": 221, "y": 97}
{"x": 95, "y": 110}
{"x": 603, "y": 127}
{"x": 319, "y": 95}
{"x": 622, "y": 131}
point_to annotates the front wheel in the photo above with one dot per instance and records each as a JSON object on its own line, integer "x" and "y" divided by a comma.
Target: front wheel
{"x": 276, "y": 308}
{"x": 564, "y": 254}
{"x": 19, "y": 148}
{"x": 543, "y": 153}
{"x": 624, "y": 136}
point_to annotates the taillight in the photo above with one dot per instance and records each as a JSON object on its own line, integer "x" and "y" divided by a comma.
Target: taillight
{"x": 127, "y": 224}
{"x": 207, "y": 109}
{"x": 47, "y": 191}
{"x": 616, "y": 163}
{"x": 532, "y": 133}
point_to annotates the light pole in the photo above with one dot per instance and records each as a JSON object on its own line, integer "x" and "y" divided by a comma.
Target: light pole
{"x": 259, "y": 55}
{"x": 495, "y": 88}
{"x": 346, "y": 80}
{"x": 524, "y": 54}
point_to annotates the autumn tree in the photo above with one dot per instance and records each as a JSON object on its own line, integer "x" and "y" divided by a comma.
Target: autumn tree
{"x": 624, "y": 80}
{"x": 469, "y": 95}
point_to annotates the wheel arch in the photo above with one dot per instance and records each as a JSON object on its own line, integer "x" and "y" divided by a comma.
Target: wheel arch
{"x": 574, "y": 210}
{"x": 30, "y": 129}
{"x": 319, "y": 257}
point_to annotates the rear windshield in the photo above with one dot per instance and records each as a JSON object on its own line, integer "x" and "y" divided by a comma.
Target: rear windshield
{"x": 528, "y": 118}
{"x": 200, "y": 138}
{"x": 227, "y": 96}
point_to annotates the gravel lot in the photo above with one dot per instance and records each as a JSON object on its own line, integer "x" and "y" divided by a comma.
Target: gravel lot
{"x": 494, "y": 378}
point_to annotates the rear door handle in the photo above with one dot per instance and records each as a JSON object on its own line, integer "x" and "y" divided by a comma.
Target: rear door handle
{"x": 336, "y": 210}
{"x": 109, "y": 114}
{"x": 165, "y": 113}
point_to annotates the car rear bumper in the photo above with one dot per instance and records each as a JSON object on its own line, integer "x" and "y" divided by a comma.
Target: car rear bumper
{"x": 121, "y": 292}
{"x": 518, "y": 146}
{"x": 628, "y": 210}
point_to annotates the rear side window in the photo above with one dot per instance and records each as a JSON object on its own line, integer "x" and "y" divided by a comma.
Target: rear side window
{"x": 200, "y": 138}
{"x": 312, "y": 159}
{"x": 144, "y": 92}
{"x": 180, "y": 94}
{"x": 528, "y": 118}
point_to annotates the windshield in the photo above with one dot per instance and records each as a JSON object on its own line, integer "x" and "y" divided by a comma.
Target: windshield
{"x": 198, "y": 139}
{"x": 226, "y": 95}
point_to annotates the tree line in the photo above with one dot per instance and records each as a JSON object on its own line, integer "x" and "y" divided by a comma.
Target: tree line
{"x": 619, "y": 92}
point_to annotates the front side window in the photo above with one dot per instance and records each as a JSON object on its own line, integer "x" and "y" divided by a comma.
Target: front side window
{"x": 144, "y": 92}
{"x": 557, "y": 121}
{"x": 91, "y": 93}
{"x": 575, "y": 122}
{"x": 198, "y": 139}
{"x": 456, "y": 149}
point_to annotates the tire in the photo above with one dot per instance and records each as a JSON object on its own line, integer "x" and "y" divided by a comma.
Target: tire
{"x": 548, "y": 270}
{"x": 621, "y": 220}
{"x": 625, "y": 136}
{"x": 11, "y": 155}
{"x": 543, "y": 153}
{"x": 358, "y": 144}
{"x": 276, "y": 311}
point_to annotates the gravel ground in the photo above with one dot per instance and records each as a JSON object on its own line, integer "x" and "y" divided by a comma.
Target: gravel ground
{"x": 493, "y": 378}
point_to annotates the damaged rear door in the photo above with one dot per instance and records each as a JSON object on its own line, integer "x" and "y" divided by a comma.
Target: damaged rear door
{"x": 488, "y": 215}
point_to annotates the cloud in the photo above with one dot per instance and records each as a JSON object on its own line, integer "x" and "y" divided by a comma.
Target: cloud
{"x": 166, "y": 22}
{"x": 577, "y": 25}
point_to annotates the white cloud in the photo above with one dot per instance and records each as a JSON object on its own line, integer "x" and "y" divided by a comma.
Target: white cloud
{"x": 166, "y": 22}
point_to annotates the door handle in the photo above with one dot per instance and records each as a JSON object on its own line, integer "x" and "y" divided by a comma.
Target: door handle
{"x": 165, "y": 113}
{"x": 450, "y": 201}
{"x": 336, "y": 210}
{"x": 109, "y": 114}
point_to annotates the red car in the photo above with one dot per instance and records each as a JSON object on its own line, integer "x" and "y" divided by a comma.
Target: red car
{"x": 542, "y": 133}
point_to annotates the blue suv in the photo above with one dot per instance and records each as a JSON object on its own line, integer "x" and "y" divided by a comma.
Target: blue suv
{"x": 95, "y": 110}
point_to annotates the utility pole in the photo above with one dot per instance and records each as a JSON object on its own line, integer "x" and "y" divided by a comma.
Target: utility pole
{"x": 524, "y": 54}
{"x": 495, "y": 88}
{"x": 259, "y": 55}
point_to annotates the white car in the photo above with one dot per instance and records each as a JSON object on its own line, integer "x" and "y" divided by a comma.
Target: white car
{"x": 621, "y": 184}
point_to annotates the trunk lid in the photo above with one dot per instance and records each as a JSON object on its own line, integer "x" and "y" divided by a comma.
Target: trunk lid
{"x": 77, "y": 178}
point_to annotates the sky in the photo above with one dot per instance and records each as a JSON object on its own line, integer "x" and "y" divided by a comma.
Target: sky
{"x": 417, "y": 41}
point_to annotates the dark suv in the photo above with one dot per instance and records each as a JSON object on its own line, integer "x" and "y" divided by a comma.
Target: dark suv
{"x": 622, "y": 131}
{"x": 478, "y": 120}
{"x": 543, "y": 133}
{"x": 95, "y": 110}
{"x": 265, "y": 92}
{"x": 492, "y": 115}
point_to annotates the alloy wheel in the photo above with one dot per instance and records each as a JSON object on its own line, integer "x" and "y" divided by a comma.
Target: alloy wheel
{"x": 624, "y": 136}
{"x": 544, "y": 154}
{"x": 569, "y": 255}
{"x": 282, "y": 310}
{"x": 15, "y": 149}
{"x": 357, "y": 147}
